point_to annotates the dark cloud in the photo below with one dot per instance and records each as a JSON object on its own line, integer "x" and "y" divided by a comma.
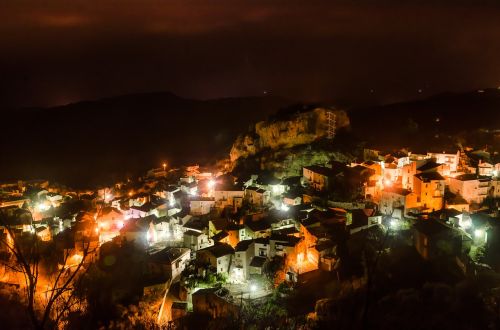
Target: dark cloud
{"x": 356, "y": 51}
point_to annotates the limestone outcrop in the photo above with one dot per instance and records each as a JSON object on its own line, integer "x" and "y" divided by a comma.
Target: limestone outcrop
{"x": 288, "y": 131}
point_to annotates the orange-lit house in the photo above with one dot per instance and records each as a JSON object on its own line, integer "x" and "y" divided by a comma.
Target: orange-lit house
{"x": 110, "y": 218}
{"x": 224, "y": 231}
{"x": 307, "y": 256}
{"x": 429, "y": 187}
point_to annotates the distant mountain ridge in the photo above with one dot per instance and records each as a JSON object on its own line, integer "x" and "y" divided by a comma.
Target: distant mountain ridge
{"x": 95, "y": 141}
{"x": 433, "y": 122}
{"x": 99, "y": 141}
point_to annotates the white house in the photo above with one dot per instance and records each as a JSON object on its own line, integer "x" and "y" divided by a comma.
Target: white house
{"x": 485, "y": 168}
{"x": 201, "y": 205}
{"x": 228, "y": 197}
{"x": 244, "y": 252}
{"x": 471, "y": 187}
{"x": 257, "y": 196}
{"x": 451, "y": 159}
{"x": 218, "y": 256}
{"x": 138, "y": 231}
{"x": 142, "y": 211}
{"x": 196, "y": 240}
{"x": 394, "y": 198}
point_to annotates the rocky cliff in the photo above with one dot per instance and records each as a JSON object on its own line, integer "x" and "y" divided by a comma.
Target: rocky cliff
{"x": 287, "y": 130}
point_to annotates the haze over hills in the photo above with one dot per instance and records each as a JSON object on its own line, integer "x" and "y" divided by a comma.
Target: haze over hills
{"x": 92, "y": 142}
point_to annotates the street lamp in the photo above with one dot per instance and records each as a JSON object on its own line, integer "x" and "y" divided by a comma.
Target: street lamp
{"x": 253, "y": 288}
{"x": 478, "y": 233}
{"x": 394, "y": 223}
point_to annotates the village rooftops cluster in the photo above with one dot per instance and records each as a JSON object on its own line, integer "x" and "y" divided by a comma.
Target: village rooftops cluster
{"x": 196, "y": 223}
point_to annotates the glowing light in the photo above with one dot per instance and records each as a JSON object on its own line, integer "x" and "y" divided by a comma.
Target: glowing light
{"x": 211, "y": 184}
{"x": 9, "y": 239}
{"x": 300, "y": 258}
{"x": 120, "y": 224}
{"x": 387, "y": 183}
{"x": 495, "y": 173}
{"x": 97, "y": 230}
{"x": 284, "y": 207}
{"x": 253, "y": 287}
{"x": 171, "y": 202}
{"x": 130, "y": 194}
{"x": 77, "y": 257}
{"x": 394, "y": 224}
{"x": 478, "y": 233}
{"x": 465, "y": 222}
{"x": 74, "y": 260}
{"x": 42, "y": 207}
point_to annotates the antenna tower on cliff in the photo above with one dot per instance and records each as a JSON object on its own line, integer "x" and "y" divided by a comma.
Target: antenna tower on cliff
{"x": 330, "y": 121}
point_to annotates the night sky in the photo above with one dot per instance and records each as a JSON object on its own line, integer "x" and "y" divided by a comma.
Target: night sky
{"x": 359, "y": 52}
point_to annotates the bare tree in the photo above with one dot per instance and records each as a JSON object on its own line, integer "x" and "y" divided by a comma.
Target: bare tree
{"x": 49, "y": 297}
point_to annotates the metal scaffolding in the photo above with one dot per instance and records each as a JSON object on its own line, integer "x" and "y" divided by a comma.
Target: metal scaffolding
{"x": 330, "y": 121}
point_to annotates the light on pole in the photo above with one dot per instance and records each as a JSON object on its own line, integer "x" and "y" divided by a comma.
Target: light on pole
{"x": 253, "y": 288}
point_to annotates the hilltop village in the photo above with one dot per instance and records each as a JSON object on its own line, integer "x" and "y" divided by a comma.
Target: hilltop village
{"x": 183, "y": 242}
